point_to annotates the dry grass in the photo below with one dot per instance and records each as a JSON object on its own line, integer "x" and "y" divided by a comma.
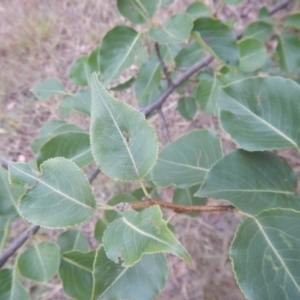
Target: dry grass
{"x": 41, "y": 38}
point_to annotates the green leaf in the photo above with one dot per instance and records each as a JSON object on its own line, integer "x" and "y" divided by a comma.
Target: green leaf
{"x": 234, "y": 2}
{"x": 11, "y": 287}
{"x": 141, "y": 56}
{"x": 72, "y": 240}
{"x": 251, "y": 181}
{"x": 48, "y": 88}
{"x": 186, "y": 197}
{"x": 74, "y": 146}
{"x": 187, "y": 107}
{"x": 137, "y": 11}
{"x": 262, "y": 113}
{"x": 60, "y": 197}
{"x": 293, "y": 20}
{"x": 185, "y": 162}
{"x": 288, "y": 52}
{"x": 148, "y": 79}
{"x": 79, "y": 72}
{"x": 124, "y": 85}
{"x": 253, "y": 54}
{"x": 124, "y": 145}
{"x": 82, "y": 102}
{"x": 65, "y": 106}
{"x": 265, "y": 255}
{"x": 129, "y": 237}
{"x": 111, "y": 280}
{"x": 125, "y": 42}
{"x": 21, "y": 174}
{"x": 217, "y": 38}
{"x": 100, "y": 227}
{"x": 168, "y": 52}
{"x": 9, "y": 196}
{"x": 259, "y": 29}
{"x": 188, "y": 55}
{"x": 4, "y": 231}
{"x": 177, "y": 30}
{"x": 197, "y": 10}
{"x": 39, "y": 263}
{"x": 75, "y": 273}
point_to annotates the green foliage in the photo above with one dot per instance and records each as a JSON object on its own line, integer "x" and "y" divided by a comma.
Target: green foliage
{"x": 261, "y": 113}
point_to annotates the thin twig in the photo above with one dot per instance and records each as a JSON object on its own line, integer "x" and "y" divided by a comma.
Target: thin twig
{"x": 164, "y": 125}
{"x": 163, "y": 65}
{"x": 179, "y": 208}
{"x": 30, "y": 231}
{"x": 278, "y": 6}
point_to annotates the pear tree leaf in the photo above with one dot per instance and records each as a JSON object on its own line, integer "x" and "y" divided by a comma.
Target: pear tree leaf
{"x": 259, "y": 29}
{"x": 288, "y": 52}
{"x": 137, "y": 11}
{"x": 177, "y": 30}
{"x": 39, "y": 263}
{"x": 74, "y": 146}
{"x": 188, "y": 55}
{"x": 11, "y": 287}
{"x": 48, "y": 88}
{"x": 81, "y": 101}
{"x": 265, "y": 255}
{"x": 197, "y": 10}
{"x": 185, "y": 162}
{"x": 79, "y": 72}
{"x": 217, "y": 38}
{"x": 125, "y": 42}
{"x": 60, "y": 197}
{"x": 187, "y": 107}
{"x": 253, "y": 54}
{"x": 111, "y": 279}
{"x": 100, "y": 228}
{"x": 123, "y": 85}
{"x": 262, "y": 113}
{"x": 72, "y": 240}
{"x": 293, "y": 20}
{"x": 76, "y": 274}
{"x": 123, "y": 143}
{"x": 4, "y": 231}
{"x": 252, "y": 182}
{"x": 134, "y": 234}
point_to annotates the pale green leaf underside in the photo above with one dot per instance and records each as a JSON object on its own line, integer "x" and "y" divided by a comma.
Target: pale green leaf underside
{"x": 4, "y": 231}
{"x": 129, "y": 237}
{"x": 117, "y": 51}
{"x": 40, "y": 263}
{"x": 48, "y": 88}
{"x": 123, "y": 143}
{"x": 113, "y": 281}
{"x": 186, "y": 161}
{"x": 252, "y": 181}
{"x": 262, "y": 113}
{"x": 72, "y": 240}
{"x": 265, "y": 255}
{"x": 60, "y": 197}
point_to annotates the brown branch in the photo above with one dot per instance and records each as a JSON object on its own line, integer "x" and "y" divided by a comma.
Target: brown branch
{"x": 30, "y": 231}
{"x": 278, "y": 6}
{"x": 164, "y": 125}
{"x": 179, "y": 208}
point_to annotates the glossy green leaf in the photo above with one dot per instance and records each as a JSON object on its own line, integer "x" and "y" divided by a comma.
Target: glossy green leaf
{"x": 185, "y": 162}
{"x": 100, "y": 227}
{"x": 293, "y": 20}
{"x": 74, "y": 146}
{"x": 187, "y": 107}
{"x": 124, "y": 85}
{"x": 51, "y": 129}
{"x": 251, "y": 181}
{"x": 253, "y": 54}
{"x": 265, "y": 255}
{"x": 72, "y": 240}
{"x": 60, "y": 197}
{"x": 144, "y": 279}
{"x": 262, "y": 113}
{"x": 186, "y": 197}
{"x": 288, "y": 51}
{"x": 134, "y": 234}
{"x": 11, "y": 287}
{"x": 218, "y": 39}
{"x": 124, "y": 145}
{"x": 188, "y": 55}
{"x": 125, "y": 42}
{"x": 40, "y": 263}
{"x": 4, "y": 231}
{"x": 76, "y": 274}
{"x": 137, "y": 11}
{"x": 81, "y": 102}
{"x": 259, "y": 30}
{"x": 147, "y": 79}
{"x": 48, "y": 88}
{"x": 197, "y": 10}
{"x": 177, "y": 30}
{"x": 9, "y": 196}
